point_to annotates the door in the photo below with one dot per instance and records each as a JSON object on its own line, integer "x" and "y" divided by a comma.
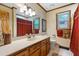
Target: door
{"x": 43, "y": 51}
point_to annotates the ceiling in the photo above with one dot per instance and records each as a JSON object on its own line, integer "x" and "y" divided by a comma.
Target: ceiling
{"x": 32, "y": 5}
{"x": 45, "y": 6}
{"x": 51, "y": 6}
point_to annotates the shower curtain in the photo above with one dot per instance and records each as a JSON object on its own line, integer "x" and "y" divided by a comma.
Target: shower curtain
{"x": 5, "y": 26}
{"x": 74, "y": 45}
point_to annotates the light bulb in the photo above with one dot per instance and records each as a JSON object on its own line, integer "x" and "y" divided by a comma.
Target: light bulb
{"x": 33, "y": 13}
{"x": 30, "y": 14}
{"x": 30, "y": 10}
{"x": 21, "y": 10}
{"x": 25, "y": 8}
{"x": 26, "y": 13}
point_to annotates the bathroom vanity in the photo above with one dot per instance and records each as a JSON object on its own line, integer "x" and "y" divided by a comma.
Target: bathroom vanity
{"x": 39, "y": 46}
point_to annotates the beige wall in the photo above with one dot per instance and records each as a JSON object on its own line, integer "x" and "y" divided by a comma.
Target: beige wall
{"x": 51, "y": 17}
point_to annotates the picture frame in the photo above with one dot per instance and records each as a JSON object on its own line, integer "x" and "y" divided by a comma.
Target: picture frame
{"x": 43, "y": 25}
{"x": 63, "y": 20}
{"x": 36, "y": 23}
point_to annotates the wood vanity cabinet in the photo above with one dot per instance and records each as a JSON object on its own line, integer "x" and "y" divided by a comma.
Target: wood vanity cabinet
{"x": 36, "y": 53}
{"x": 23, "y": 52}
{"x": 41, "y": 48}
{"x": 43, "y": 51}
{"x": 34, "y": 50}
{"x": 48, "y": 45}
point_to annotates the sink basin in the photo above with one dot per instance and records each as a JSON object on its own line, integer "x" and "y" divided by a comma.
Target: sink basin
{"x": 31, "y": 39}
{"x": 37, "y": 37}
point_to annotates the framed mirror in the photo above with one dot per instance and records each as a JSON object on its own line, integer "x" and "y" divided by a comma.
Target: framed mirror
{"x": 36, "y": 23}
{"x": 63, "y": 20}
{"x": 43, "y": 25}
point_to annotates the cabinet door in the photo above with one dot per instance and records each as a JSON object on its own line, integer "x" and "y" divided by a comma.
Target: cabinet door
{"x": 21, "y": 54}
{"x": 36, "y": 53}
{"x": 43, "y": 51}
{"x": 26, "y": 53}
{"x": 48, "y": 47}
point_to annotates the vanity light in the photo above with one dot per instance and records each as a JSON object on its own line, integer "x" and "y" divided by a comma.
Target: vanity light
{"x": 26, "y": 10}
{"x": 33, "y": 13}
{"x": 21, "y": 10}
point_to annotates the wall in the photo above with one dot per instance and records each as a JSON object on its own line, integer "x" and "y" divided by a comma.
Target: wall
{"x": 51, "y": 18}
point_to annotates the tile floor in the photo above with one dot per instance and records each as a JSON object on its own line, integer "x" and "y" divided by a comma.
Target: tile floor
{"x": 56, "y": 51}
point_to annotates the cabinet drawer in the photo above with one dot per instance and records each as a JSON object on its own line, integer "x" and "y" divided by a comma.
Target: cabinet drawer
{"x": 43, "y": 50}
{"x": 26, "y": 52}
{"x": 34, "y": 47}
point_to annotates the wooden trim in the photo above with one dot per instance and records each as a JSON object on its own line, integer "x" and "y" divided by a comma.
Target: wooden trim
{"x": 7, "y": 6}
{"x": 12, "y": 22}
{"x": 63, "y": 47}
{"x": 21, "y": 16}
{"x": 61, "y": 7}
{"x": 13, "y": 7}
{"x": 41, "y": 7}
{"x": 55, "y": 8}
{"x": 39, "y": 24}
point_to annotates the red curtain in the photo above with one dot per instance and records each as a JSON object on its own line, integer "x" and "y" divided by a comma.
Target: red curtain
{"x": 23, "y": 27}
{"x": 74, "y": 45}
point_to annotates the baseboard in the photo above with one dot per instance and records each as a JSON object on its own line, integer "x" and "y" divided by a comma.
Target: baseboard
{"x": 64, "y": 47}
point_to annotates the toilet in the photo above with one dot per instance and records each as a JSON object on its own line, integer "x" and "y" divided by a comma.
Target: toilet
{"x": 53, "y": 41}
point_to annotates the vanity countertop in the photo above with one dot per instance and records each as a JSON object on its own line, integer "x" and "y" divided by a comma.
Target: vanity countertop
{"x": 19, "y": 44}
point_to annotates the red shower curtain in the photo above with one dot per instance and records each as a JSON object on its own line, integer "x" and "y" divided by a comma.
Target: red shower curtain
{"x": 74, "y": 46}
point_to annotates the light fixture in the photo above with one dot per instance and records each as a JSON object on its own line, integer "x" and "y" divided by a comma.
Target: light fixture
{"x": 33, "y": 13}
{"x": 26, "y": 10}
